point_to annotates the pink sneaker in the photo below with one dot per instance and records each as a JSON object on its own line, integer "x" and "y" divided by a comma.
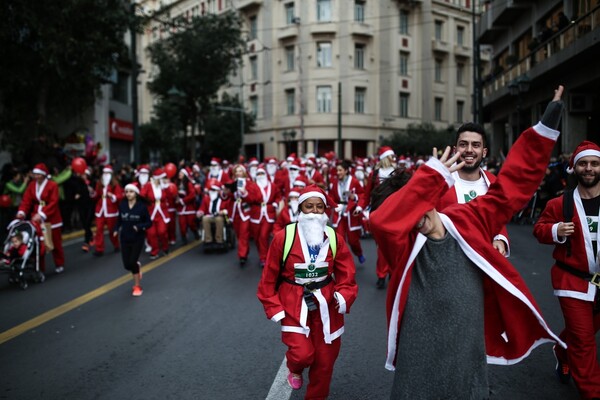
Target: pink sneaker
{"x": 294, "y": 380}
{"x": 137, "y": 291}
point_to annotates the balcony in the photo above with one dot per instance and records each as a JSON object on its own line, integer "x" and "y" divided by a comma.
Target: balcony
{"x": 245, "y": 5}
{"x": 463, "y": 51}
{"x": 287, "y": 32}
{"x": 496, "y": 21}
{"x": 324, "y": 28}
{"x": 440, "y": 46}
{"x": 361, "y": 29}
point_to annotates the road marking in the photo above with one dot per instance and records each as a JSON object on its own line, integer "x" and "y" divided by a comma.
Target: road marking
{"x": 280, "y": 389}
{"x": 62, "y": 309}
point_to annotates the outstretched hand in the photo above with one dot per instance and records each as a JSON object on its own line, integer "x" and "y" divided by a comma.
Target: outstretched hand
{"x": 450, "y": 163}
{"x": 558, "y": 93}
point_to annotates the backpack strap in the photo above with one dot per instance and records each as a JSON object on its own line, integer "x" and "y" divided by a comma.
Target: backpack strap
{"x": 568, "y": 206}
{"x": 332, "y": 239}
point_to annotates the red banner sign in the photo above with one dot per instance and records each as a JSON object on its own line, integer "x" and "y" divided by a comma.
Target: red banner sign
{"x": 119, "y": 129}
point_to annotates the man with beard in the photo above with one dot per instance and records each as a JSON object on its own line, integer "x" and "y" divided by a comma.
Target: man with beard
{"x": 108, "y": 195}
{"x": 575, "y": 274}
{"x": 308, "y": 284}
{"x": 472, "y": 181}
{"x": 263, "y": 213}
{"x": 216, "y": 172}
{"x": 453, "y": 300}
{"x": 288, "y": 214}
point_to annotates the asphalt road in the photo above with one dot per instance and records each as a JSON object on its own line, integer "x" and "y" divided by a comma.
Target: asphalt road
{"x": 199, "y": 332}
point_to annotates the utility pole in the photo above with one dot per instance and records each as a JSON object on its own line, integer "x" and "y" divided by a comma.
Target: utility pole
{"x": 134, "y": 93}
{"x": 300, "y": 89}
{"x": 477, "y": 90}
{"x": 339, "y": 133}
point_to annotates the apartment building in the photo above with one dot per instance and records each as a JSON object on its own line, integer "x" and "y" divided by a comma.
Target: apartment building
{"x": 341, "y": 75}
{"x": 537, "y": 45}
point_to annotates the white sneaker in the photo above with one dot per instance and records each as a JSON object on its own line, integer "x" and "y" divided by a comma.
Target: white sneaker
{"x": 59, "y": 270}
{"x": 148, "y": 249}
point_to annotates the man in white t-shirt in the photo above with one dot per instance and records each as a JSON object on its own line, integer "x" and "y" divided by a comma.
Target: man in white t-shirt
{"x": 472, "y": 181}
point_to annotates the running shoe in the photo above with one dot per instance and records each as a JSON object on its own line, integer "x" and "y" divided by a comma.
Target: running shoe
{"x": 294, "y": 380}
{"x": 137, "y": 291}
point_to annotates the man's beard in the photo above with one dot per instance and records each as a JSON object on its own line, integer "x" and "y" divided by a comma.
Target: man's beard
{"x": 313, "y": 227}
{"x": 587, "y": 184}
{"x": 471, "y": 168}
{"x": 262, "y": 181}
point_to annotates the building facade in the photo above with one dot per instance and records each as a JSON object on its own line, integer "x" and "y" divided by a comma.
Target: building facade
{"x": 318, "y": 73}
{"x": 536, "y": 46}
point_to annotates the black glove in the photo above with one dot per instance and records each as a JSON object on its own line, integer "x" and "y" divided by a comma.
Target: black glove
{"x": 551, "y": 117}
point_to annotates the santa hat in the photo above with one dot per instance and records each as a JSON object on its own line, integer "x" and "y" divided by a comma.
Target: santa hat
{"x": 108, "y": 169}
{"x": 295, "y": 164}
{"x": 316, "y": 191}
{"x": 132, "y": 187}
{"x": 299, "y": 183}
{"x": 271, "y": 160}
{"x": 311, "y": 160}
{"x": 215, "y": 161}
{"x": 144, "y": 169}
{"x": 225, "y": 162}
{"x": 293, "y": 193}
{"x": 360, "y": 167}
{"x": 253, "y": 161}
{"x": 291, "y": 157}
{"x": 261, "y": 168}
{"x": 196, "y": 168}
{"x": 159, "y": 173}
{"x": 585, "y": 149}
{"x": 385, "y": 151}
{"x": 40, "y": 169}
{"x": 186, "y": 171}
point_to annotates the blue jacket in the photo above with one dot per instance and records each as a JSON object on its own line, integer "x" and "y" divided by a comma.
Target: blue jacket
{"x": 129, "y": 218}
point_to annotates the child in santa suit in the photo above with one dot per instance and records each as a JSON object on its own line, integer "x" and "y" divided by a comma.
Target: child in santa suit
{"x": 16, "y": 249}
{"x": 186, "y": 204}
{"x": 263, "y": 213}
{"x": 156, "y": 196}
{"x": 40, "y": 201}
{"x": 288, "y": 214}
{"x": 107, "y": 197}
{"x": 310, "y": 293}
{"x": 213, "y": 210}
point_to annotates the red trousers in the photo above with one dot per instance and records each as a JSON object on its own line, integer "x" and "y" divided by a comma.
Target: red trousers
{"x": 312, "y": 352}
{"x": 172, "y": 226}
{"x": 261, "y": 233}
{"x": 110, "y": 223}
{"x": 157, "y": 236}
{"x": 382, "y": 269}
{"x": 242, "y": 231}
{"x": 581, "y": 325}
{"x": 352, "y": 237}
{"x": 57, "y": 254}
{"x": 187, "y": 221}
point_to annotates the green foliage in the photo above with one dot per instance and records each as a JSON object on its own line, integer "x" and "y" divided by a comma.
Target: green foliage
{"x": 56, "y": 55}
{"x": 194, "y": 62}
{"x": 420, "y": 139}
{"x": 163, "y": 133}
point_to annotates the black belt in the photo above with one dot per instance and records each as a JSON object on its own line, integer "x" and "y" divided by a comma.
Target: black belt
{"x": 311, "y": 285}
{"x": 342, "y": 202}
{"x": 594, "y": 279}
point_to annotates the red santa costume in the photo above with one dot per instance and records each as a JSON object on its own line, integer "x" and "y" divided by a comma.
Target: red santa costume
{"x": 41, "y": 199}
{"x": 263, "y": 213}
{"x": 159, "y": 214}
{"x": 288, "y": 214}
{"x": 513, "y": 325}
{"x": 289, "y": 176}
{"x": 313, "y": 176}
{"x": 186, "y": 204}
{"x": 246, "y": 193}
{"x": 108, "y": 195}
{"x": 171, "y": 191}
{"x": 463, "y": 194}
{"x": 576, "y": 294}
{"x": 216, "y": 172}
{"x": 349, "y": 195}
{"x": 213, "y": 209}
{"x": 312, "y": 336}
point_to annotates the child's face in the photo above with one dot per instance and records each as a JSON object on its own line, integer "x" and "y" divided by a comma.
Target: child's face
{"x": 16, "y": 241}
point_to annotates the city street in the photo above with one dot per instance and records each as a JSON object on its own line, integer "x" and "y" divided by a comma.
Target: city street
{"x": 199, "y": 332}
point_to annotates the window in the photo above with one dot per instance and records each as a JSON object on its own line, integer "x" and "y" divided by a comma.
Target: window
{"x": 359, "y": 56}
{"x": 323, "y": 10}
{"x": 289, "y": 58}
{"x": 460, "y": 73}
{"x": 404, "y": 97}
{"x": 289, "y": 13}
{"x": 323, "y": 99}
{"x": 359, "y": 100}
{"x": 403, "y": 22}
{"x": 403, "y": 71}
{"x": 437, "y": 71}
{"x": 323, "y": 54}
{"x": 460, "y": 110}
{"x": 359, "y": 10}
{"x": 439, "y": 26}
{"x": 254, "y": 105}
{"x": 460, "y": 36}
{"x": 253, "y": 68}
{"x": 120, "y": 88}
{"x": 253, "y": 27}
{"x": 437, "y": 109}
{"x": 290, "y": 99}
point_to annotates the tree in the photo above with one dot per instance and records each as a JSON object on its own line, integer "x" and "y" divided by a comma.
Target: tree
{"x": 419, "y": 139}
{"x": 195, "y": 61}
{"x": 56, "y": 56}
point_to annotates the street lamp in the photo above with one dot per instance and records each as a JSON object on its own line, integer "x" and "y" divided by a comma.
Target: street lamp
{"x": 288, "y": 136}
{"x": 517, "y": 87}
{"x": 241, "y": 111}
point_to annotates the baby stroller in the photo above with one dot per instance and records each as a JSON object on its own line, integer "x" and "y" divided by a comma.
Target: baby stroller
{"x": 25, "y": 268}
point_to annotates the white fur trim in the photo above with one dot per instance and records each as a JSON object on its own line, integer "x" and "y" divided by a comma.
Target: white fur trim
{"x": 307, "y": 195}
{"x": 442, "y": 169}
{"x": 386, "y": 154}
{"x": 555, "y": 237}
{"x": 585, "y": 153}
{"x": 39, "y": 171}
{"x": 129, "y": 186}
{"x": 278, "y": 317}
{"x": 341, "y": 302}
{"x": 543, "y": 130}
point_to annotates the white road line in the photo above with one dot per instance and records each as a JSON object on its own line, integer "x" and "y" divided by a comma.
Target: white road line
{"x": 280, "y": 390}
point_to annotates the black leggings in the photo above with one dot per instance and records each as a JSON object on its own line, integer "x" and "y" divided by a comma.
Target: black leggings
{"x": 130, "y": 253}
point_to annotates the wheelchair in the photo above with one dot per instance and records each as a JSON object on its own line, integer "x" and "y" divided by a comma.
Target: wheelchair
{"x": 229, "y": 239}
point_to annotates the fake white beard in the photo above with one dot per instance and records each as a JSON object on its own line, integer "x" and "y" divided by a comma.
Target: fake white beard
{"x": 214, "y": 170}
{"x": 143, "y": 178}
{"x": 313, "y": 227}
{"x": 262, "y": 181}
{"x": 294, "y": 174}
{"x": 252, "y": 172}
{"x": 294, "y": 206}
{"x": 360, "y": 175}
{"x": 106, "y": 179}
{"x": 213, "y": 195}
{"x": 271, "y": 169}
{"x": 369, "y": 170}
{"x": 309, "y": 168}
